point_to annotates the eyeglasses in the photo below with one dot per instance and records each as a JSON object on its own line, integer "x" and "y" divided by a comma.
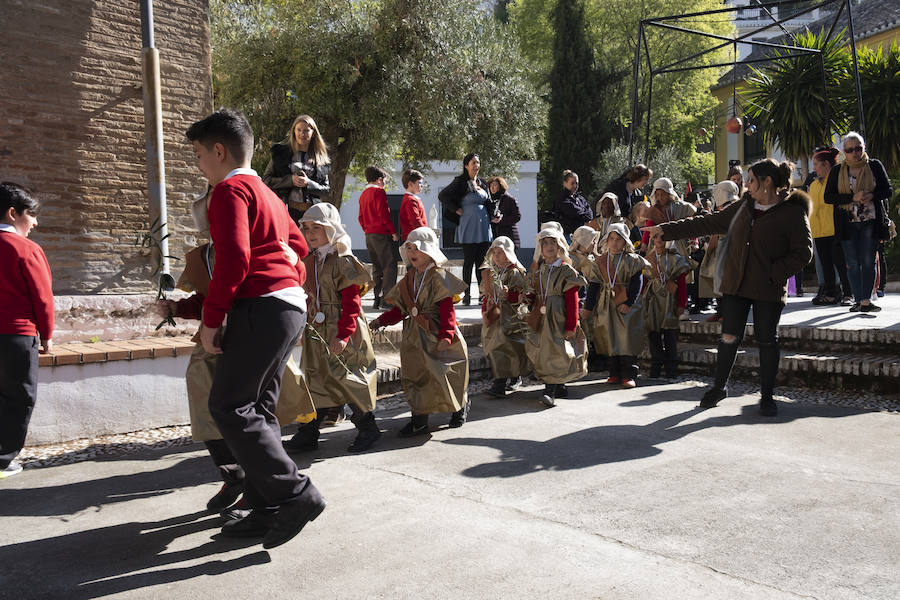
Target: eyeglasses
{"x": 853, "y": 150}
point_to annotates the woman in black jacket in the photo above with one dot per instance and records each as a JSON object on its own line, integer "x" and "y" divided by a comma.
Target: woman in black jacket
{"x": 298, "y": 169}
{"x": 508, "y": 209}
{"x": 628, "y": 188}
{"x": 859, "y": 188}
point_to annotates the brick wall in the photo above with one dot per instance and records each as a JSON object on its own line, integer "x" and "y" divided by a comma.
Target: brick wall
{"x": 72, "y": 129}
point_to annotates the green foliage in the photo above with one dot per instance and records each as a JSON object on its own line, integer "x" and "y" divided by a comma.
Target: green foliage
{"x": 699, "y": 167}
{"x": 420, "y": 80}
{"x": 579, "y": 127}
{"x": 681, "y": 101}
{"x": 789, "y": 97}
{"x": 879, "y": 79}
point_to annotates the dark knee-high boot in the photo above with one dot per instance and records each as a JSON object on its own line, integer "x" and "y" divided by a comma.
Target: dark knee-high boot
{"x": 725, "y": 356}
{"x": 769, "y": 357}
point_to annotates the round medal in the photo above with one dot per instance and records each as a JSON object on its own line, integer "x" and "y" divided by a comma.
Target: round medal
{"x": 414, "y": 312}
{"x": 543, "y": 310}
{"x": 320, "y": 317}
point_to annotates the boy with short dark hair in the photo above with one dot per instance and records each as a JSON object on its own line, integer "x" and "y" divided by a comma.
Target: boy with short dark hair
{"x": 25, "y": 313}
{"x": 412, "y": 211}
{"x": 375, "y": 220}
{"x": 251, "y": 276}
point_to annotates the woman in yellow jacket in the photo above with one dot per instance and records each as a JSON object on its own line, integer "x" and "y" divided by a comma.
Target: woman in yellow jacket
{"x": 821, "y": 223}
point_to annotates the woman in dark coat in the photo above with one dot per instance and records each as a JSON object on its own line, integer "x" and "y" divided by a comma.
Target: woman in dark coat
{"x": 629, "y": 186}
{"x": 768, "y": 241}
{"x": 298, "y": 169}
{"x": 467, "y": 202}
{"x": 859, "y": 188}
{"x": 508, "y": 209}
{"x": 572, "y": 208}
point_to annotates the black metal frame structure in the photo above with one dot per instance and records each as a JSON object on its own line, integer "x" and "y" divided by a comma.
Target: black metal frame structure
{"x": 679, "y": 65}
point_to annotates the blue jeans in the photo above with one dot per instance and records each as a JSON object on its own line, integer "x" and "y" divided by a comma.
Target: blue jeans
{"x": 859, "y": 252}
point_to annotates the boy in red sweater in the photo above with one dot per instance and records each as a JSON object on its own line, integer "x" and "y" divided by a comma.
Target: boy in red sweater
{"x": 262, "y": 294}
{"x": 375, "y": 220}
{"x": 412, "y": 211}
{"x": 26, "y": 311}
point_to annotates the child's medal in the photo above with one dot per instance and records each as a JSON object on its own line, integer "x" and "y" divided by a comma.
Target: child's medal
{"x": 546, "y": 290}
{"x": 414, "y": 311}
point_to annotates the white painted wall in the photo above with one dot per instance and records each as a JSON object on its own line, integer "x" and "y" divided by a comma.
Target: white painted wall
{"x": 439, "y": 176}
{"x": 81, "y": 401}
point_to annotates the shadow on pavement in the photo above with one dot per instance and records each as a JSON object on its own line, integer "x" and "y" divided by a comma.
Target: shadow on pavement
{"x": 109, "y": 560}
{"x": 70, "y": 498}
{"x": 618, "y": 443}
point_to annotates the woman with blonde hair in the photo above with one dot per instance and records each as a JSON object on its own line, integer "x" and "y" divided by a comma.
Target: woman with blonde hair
{"x": 298, "y": 169}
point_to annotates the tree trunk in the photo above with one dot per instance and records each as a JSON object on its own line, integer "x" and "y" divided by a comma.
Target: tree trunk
{"x": 342, "y": 152}
{"x": 804, "y": 166}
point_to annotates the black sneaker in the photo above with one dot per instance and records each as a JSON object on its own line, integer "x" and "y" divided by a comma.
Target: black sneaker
{"x": 458, "y": 419}
{"x": 256, "y": 524}
{"x": 497, "y": 389}
{"x": 365, "y": 439}
{"x": 869, "y": 307}
{"x": 226, "y": 496}
{"x": 856, "y": 307}
{"x": 418, "y": 425}
{"x": 562, "y": 391}
{"x": 513, "y": 384}
{"x": 305, "y": 440}
{"x": 238, "y": 511}
{"x": 712, "y": 396}
{"x": 548, "y": 398}
{"x": 768, "y": 407}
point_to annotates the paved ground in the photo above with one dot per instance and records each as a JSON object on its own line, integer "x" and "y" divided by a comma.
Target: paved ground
{"x": 612, "y": 494}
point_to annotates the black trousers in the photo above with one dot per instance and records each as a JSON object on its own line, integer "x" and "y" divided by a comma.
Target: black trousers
{"x": 624, "y": 367}
{"x": 882, "y": 265}
{"x": 766, "y": 315}
{"x": 831, "y": 255}
{"x": 384, "y": 266}
{"x": 260, "y": 335}
{"x": 663, "y": 352}
{"x": 229, "y": 469}
{"x": 18, "y": 391}
{"x": 473, "y": 256}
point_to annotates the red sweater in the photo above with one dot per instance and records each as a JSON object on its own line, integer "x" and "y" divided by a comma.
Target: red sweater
{"x": 412, "y": 214}
{"x": 26, "y": 295}
{"x": 246, "y": 222}
{"x": 446, "y": 329}
{"x": 374, "y": 213}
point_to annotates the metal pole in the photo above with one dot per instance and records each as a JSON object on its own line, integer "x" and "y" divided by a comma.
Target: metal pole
{"x": 859, "y": 100}
{"x": 634, "y": 95}
{"x": 646, "y": 156}
{"x": 153, "y": 134}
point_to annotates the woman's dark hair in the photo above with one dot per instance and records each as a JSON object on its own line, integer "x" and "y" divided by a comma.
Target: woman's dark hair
{"x": 779, "y": 172}
{"x": 13, "y": 195}
{"x": 735, "y": 170}
{"x": 500, "y": 181}
{"x": 467, "y": 159}
{"x": 637, "y": 172}
{"x": 826, "y": 154}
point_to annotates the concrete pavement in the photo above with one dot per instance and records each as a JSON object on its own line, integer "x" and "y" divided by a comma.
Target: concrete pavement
{"x": 612, "y": 494}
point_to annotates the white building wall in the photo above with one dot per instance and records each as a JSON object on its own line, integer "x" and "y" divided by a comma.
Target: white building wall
{"x": 438, "y": 177}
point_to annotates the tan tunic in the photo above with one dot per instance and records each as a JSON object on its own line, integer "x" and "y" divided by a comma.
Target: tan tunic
{"x": 434, "y": 382}
{"x": 707, "y": 287}
{"x": 615, "y": 334}
{"x": 503, "y": 339}
{"x": 293, "y": 399}
{"x": 330, "y": 382}
{"x": 675, "y": 210}
{"x": 660, "y": 288}
{"x": 554, "y": 358}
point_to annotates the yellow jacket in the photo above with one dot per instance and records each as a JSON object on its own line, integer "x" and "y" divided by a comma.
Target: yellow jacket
{"x": 821, "y": 219}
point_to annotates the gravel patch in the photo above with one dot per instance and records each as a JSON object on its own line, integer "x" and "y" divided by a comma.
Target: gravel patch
{"x": 118, "y": 445}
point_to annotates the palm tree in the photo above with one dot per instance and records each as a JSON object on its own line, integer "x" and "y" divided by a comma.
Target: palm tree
{"x": 788, "y": 96}
{"x": 879, "y": 78}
